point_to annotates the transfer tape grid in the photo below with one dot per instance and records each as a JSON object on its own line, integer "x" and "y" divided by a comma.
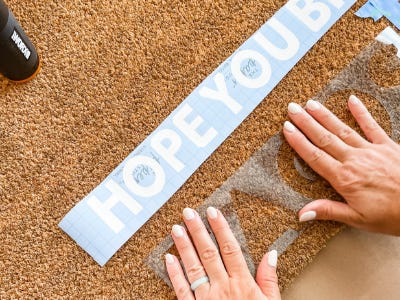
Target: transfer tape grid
{"x": 109, "y": 215}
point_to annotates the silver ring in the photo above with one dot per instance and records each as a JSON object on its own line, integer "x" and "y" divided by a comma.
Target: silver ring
{"x": 199, "y": 282}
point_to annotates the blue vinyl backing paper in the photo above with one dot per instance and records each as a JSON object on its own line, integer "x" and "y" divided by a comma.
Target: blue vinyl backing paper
{"x": 110, "y": 214}
{"x": 376, "y": 9}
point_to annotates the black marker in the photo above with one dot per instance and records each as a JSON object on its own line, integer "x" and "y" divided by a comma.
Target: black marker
{"x": 19, "y": 60}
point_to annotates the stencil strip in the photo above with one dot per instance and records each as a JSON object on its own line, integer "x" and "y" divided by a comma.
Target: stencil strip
{"x": 106, "y": 218}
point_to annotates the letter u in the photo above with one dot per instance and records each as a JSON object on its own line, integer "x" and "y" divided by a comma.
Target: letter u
{"x": 279, "y": 53}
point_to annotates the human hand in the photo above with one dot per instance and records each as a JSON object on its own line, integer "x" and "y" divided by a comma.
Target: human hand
{"x": 365, "y": 173}
{"x": 227, "y": 271}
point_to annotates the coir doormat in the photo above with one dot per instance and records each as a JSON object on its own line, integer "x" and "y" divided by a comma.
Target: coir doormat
{"x": 112, "y": 71}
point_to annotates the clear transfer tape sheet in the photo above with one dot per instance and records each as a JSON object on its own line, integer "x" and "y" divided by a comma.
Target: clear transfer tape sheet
{"x": 109, "y": 215}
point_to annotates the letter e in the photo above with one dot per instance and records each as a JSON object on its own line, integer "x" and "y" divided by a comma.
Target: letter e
{"x": 190, "y": 129}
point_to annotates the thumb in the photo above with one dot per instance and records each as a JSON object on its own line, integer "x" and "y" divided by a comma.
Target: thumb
{"x": 266, "y": 276}
{"x": 324, "y": 209}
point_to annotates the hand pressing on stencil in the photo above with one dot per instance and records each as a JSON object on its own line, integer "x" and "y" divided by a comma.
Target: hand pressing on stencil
{"x": 365, "y": 172}
{"x": 217, "y": 273}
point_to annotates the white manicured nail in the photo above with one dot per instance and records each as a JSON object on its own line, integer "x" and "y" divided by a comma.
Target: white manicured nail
{"x": 177, "y": 230}
{"x": 312, "y": 105}
{"x": 354, "y": 100}
{"x": 188, "y": 213}
{"x": 294, "y": 108}
{"x": 273, "y": 258}
{"x": 289, "y": 126}
{"x": 308, "y": 216}
{"x": 212, "y": 212}
{"x": 169, "y": 259}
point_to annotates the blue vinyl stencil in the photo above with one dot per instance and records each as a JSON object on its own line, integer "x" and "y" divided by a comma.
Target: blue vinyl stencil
{"x": 108, "y": 216}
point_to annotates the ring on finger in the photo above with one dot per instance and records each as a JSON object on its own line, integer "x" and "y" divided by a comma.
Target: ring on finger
{"x": 199, "y": 282}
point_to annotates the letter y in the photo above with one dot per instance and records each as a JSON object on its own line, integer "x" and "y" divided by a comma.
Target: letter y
{"x": 221, "y": 94}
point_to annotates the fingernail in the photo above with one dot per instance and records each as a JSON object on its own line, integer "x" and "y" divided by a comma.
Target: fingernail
{"x": 294, "y": 108}
{"x": 169, "y": 259}
{"x": 289, "y": 126}
{"x": 273, "y": 258}
{"x": 188, "y": 213}
{"x": 212, "y": 212}
{"x": 354, "y": 100}
{"x": 312, "y": 105}
{"x": 177, "y": 230}
{"x": 308, "y": 216}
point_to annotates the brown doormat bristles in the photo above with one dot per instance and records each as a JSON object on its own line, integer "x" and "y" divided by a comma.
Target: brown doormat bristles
{"x": 112, "y": 71}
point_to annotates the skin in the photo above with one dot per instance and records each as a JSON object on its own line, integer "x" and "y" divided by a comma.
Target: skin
{"x": 366, "y": 172}
{"x": 226, "y": 267}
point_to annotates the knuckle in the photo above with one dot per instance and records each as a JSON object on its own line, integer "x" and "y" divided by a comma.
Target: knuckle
{"x": 345, "y": 133}
{"x": 184, "y": 246}
{"x": 325, "y": 140}
{"x": 302, "y": 122}
{"x": 316, "y": 155}
{"x": 364, "y": 115}
{"x": 196, "y": 229}
{"x": 195, "y": 271}
{"x": 230, "y": 248}
{"x": 326, "y": 115}
{"x": 209, "y": 254}
{"x": 270, "y": 278}
{"x": 221, "y": 228}
{"x": 326, "y": 211}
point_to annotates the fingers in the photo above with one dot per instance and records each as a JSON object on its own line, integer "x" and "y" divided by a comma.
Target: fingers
{"x": 194, "y": 268}
{"x": 206, "y": 249}
{"x": 367, "y": 123}
{"x": 332, "y": 123}
{"x": 321, "y": 162}
{"x": 324, "y": 209}
{"x": 179, "y": 282}
{"x": 266, "y": 276}
{"x": 318, "y": 135}
{"x": 231, "y": 252}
